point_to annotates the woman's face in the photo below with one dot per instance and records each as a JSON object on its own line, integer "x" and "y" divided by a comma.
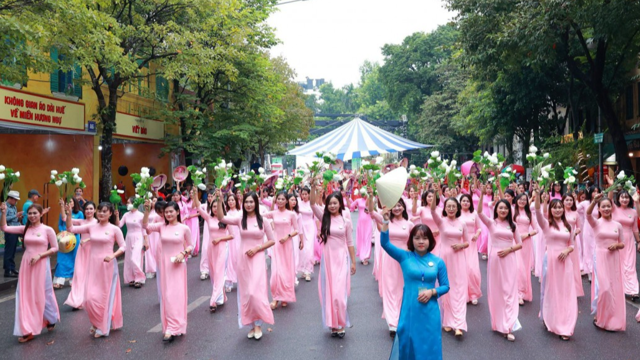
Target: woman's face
{"x": 292, "y": 202}
{"x": 429, "y": 198}
{"x": 231, "y": 201}
{"x": 522, "y": 202}
{"x": 170, "y": 214}
{"x": 249, "y": 204}
{"x": 557, "y": 210}
{"x": 304, "y": 195}
{"x": 79, "y": 192}
{"x": 281, "y": 201}
{"x": 175, "y": 197}
{"x": 624, "y": 200}
{"x": 465, "y": 203}
{"x": 508, "y": 197}
{"x": 214, "y": 207}
{"x": 447, "y": 192}
{"x": 488, "y": 190}
{"x": 334, "y": 206}
{"x": 104, "y": 214}
{"x": 210, "y": 197}
{"x": 451, "y": 208}
{"x": 89, "y": 211}
{"x": 557, "y": 187}
{"x": 412, "y": 193}
{"x": 33, "y": 215}
{"x": 503, "y": 211}
{"x": 520, "y": 189}
{"x": 568, "y": 202}
{"x": 397, "y": 209}
{"x": 420, "y": 242}
{"x": 582, "y": 197}
{"x": 605, "y": 208}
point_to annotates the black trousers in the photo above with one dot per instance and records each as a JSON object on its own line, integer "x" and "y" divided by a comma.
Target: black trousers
{"x": 10, "y": 244}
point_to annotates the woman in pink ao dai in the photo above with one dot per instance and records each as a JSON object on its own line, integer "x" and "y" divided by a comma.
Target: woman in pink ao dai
{"x": 390, "y": 278}
{"x": 102, "y": 299}
{"x": 253, "y": 297}
{"x": 607, "y": 287}
{"x": 283, "y": 269}
{"x": 36, "y": 305}
{"x": 454, "y": 240}
{"x": 559, "y": 302}
{"x": 470, "y": 218}
{"x": 525, "y": 229}
{"x": 502, "y": 277}
{"x": 137, "y": 242}
{"x": 338, "y": 260}
{"x": 627, "y": 216}
{"x": 175, "y": 245}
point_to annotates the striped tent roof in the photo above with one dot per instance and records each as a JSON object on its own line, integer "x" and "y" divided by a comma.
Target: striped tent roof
{"x": 357, "y": 139}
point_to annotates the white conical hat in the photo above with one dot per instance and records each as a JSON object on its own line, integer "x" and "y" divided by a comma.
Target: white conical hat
{"x": 391, "y": 186}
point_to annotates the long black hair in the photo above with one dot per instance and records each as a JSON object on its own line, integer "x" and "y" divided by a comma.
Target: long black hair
{"x": 552, "y": 221}
{"x": 325, "y": 229}
{"x": 435, "y": 198}
{"x": 175, "y": 206}
{"x": 617, "y": 199}
{"x": 589, "y": 193}
{"x": 553, "y": 189}
{"x": 226, "y": 202}
{"x": 509, "y": 215}
{"x": 288, "y": 207}
{"x": 84, "y": 208}
{"x": 254, "y": 196}
{"x": 527, "y": 208}
{"x": 426, "y": 232}
{"x": 26, "y": 227}
{"x": 470, "y": 198}
{"x": 221, "y": 225}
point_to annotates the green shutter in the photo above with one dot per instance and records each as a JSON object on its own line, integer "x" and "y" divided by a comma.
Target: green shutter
{"x": 162, "y": 88}
{"x": 54, "y": 75}
{"x": 77, "y": 84}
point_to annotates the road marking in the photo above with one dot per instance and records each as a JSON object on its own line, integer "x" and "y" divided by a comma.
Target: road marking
{"x": 194, "y": 305}
{"x": 633, "y": 304}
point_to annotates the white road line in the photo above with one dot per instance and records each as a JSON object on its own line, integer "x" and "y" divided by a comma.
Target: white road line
{"x": 194, "y": 305}
{"x": 633, "y": 304}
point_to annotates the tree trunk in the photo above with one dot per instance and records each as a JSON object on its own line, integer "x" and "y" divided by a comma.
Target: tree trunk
{"x": 108, "y": 118}
{"x": 617, "y": 135}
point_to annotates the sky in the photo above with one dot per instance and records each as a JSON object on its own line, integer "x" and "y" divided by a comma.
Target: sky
{"x": 331, "y": 39}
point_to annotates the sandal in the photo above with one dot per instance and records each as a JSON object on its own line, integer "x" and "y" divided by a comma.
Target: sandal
{"x": 284, "y": 304}
{"x": 213, "y": 309}
{"x": 564, "y": 338}
{"x": 274, "y": 305}
{"x": 26, "y": 338}
{"x": 334, "y": 333}
{"x": 92, "y": 330}
{"x": 57, "y": 286}
{"x": 510, "y": 337}
{"x": 137, "y": 285}
{"x": 50, "y": 327}
{"x": 458, "y": 333}
{"x": 167, "y": 337}
{"x": 446, "y": 329}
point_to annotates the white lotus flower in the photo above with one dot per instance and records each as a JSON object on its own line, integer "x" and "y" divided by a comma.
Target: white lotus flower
{"x": 379, "y": 160}
{"x": 621, "y": 175}
{"x": 204, "y": 169}
{"x": 486, "y": 154}
{"x": 53, "y": 177}
{"x": 75, "y": 171}
{"x": 365, "y": 162}
{"x": 229, "y": 165}
{"x": 2, "y": 168}
{"x": 216, "y": 167}
{"x": 454, "y": 163}
{"x": 628, "y": 184}
{"x": 77, "y": 179}
{"x": 435, "y": 154}
{"x": 202, "y": 187}
{"x": 545, "y": 174}
{"x": 546, "y": 155}
{"x": 415, "y": 172}
{"x": 539, "y": 179}
{"x": 546, "y": 168}
{"x": 224, "y": 183}
{"x": 505, "y": 175}
{"x": 144, "y": 176}
{"x": 491, "y": 179}
{"x": 279, "y": 186}
{"x": 326, "y": 166}
{"x": 149, "y": 195}
{"x": 54, "y": 173}
{"x": 337, "y": 177}
{"x": 570, "y": 180}
{"x": 306, "y": 171}
{"x": 356, "y": 192}
{"x": 17, "y": 174}
{"x": 115, "y": 187}
{"x": 64, "y": 180}
{"x": 494, "y": 159}
{"x": 59, "y": 183}
{"x": 330, "y": 155}
{"x": 138, "y": 185}
{"x": 137, "y": 196}
{"x": 120, "y": 191}
{"x": 426, "y": 177}
{"x": 363, "y": 190}
{"x": 574, "y": 172}
{"x": 412, "y": 167}
{"x": 261, "y": 170}
{"x": 430, "y": 161}
{"x": 533, "y": 150}
{"x": 458, "y": 175}
{"x": 263, "y": 176}
{"x": 198, "y": 172}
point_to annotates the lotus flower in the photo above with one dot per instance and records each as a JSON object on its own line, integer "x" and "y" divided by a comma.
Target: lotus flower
{"x": 533, "y": 150}
{"x": 202, "y": 187}
{"x": 621, "y": 175}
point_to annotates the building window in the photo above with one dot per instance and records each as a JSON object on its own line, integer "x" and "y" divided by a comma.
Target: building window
{"x": 628, "y": 102}
{"x": 162, "y": 88}
{"x": 66, "y": 82}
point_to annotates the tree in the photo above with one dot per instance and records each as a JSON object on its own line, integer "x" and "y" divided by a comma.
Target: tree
{"x": 597, "y": 42}
{"x": 372, "y": 94}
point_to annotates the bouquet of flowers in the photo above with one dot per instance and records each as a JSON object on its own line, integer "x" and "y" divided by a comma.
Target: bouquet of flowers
{"x": 67, "y": 182}
{"x": 540, "y": 172}
{"x": 452, "y": 173}
{"x": 627, "y": 182}
{"x": 248, "y": 180}
{"x": 143, "y": 183}
{"x": 223, "y": 172}
{"x": 436, "y": 166}
{"x": 371, "y": 173}
{"x": 324, "y": 162}
{"x": 198, "y": 176}
{"x": 507, "y": 176}
{"x": 570, "y": 176}
{"x": 417, "y": 174}
{"x": 115, "y": 198}
{"x": 489, "y": 164}
{"x": 300, "y": 175}
{"x": 260, "y": 178}
{"x": 8, "y": 177}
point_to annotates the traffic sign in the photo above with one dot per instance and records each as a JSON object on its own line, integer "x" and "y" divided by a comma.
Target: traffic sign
{"x": 597, "y": 138}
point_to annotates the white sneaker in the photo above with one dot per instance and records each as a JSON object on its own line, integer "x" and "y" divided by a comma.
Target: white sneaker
{"x": 474, "y": 302}
{"x": 203, "y": 276}
{"x": 151, "y": 275}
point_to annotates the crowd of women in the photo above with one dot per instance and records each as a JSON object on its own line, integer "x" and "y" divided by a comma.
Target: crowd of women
{"x": 429, "y": 272}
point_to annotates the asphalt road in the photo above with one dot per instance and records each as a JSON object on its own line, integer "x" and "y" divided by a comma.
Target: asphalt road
{"x": 298, "y": 332}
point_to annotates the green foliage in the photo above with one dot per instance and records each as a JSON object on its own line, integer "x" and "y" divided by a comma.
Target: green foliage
{"x": 8, "y": 177}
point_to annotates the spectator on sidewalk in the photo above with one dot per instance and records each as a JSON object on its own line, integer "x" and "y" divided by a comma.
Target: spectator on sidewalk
{"x": 11, "y": 240}
{"x": 33, "y": 196}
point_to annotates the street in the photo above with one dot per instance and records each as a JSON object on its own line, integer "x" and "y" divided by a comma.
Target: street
{"x": 298, "y": 332}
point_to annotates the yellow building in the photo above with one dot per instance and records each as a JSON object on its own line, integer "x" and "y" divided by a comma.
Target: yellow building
{"x": 51, "y": 123}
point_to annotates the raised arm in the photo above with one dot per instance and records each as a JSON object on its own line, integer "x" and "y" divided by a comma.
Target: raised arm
{"x": 593, "y": 222}
{"x": 3, "y": 222}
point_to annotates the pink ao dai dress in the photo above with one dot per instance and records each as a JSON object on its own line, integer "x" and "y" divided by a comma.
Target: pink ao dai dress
{"x": 573, "y": 218}
{"x": 588, "y": 238}
{"x": 233, "y": 249}
{"x": 472, "y": 222}
{"x": 283, "y": 270}
{"x": 310, "y": 232}
{"x": 453, "y": 305}
{"x": 607, "y": 286}
{"x": 215, "y": 256}
{"x": 364, "y": 230}
{"x": 150, "y": 263}
{"x": 525, "y": 225}
{"x": 172, "y": 277}
{"x": 334, "y": 284}
{"x": 102, "y": 299}
{"x": 253, "y": 295}
{"x": 36, "y": 304}
{"x": 559, "y": 301}
{"x": 76, "y": 295}
{"x": 133, "y": 255}
{"x": 391, "y": 281}
{"x": 502, "y": 277}
{"x": 628, "y": 218}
